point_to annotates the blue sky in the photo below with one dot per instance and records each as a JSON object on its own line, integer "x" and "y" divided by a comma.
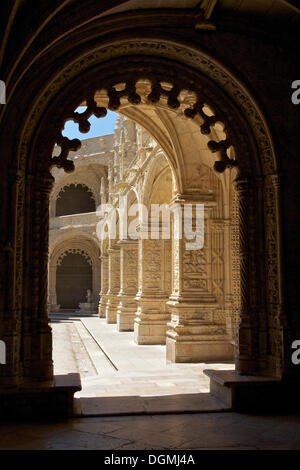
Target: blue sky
{"x": 99, "y": 126}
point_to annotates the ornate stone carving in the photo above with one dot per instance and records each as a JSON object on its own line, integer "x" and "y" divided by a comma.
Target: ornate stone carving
{"x": 239, "y": 137}
{"x": 76, "y": 251}
{"x": 128, "y": 285}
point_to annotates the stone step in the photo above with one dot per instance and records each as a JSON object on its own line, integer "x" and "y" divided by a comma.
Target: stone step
{"x": 131, "y": 376}
{"x": 143, "y": 405}
{"x": 183, "y": 373}
{"x": 147, "y": 385}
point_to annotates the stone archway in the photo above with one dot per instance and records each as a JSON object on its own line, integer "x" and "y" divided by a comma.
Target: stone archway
{"x": 73, "y": 279}
{"x": 88, "y": 260}
{"x": 250, "y": 183}
{"x": 74, "y": 199}
{"x": 260, "y": 348}
{"x": 79, "y": 178}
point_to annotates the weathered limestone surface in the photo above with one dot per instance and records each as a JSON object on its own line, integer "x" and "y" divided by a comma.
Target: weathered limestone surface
{"x": 104, "y": 286}
{"x": 197, "y": 331}
{"x": 152, "y": 315}
{"x": 113, "y": 284}
{"x": 128, "y": 284}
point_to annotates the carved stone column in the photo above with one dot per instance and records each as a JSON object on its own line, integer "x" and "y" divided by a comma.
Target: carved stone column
{"x": 283, "y": 325}
{"x": 234, "y": 260}
{"x": 227, "y": 270}
{"x": 221, "y": 271}
{"x": 52, "y": 296}
{"x": 252, "y": 335}
{"x": 11, "y": 286}
{"x": 128, "y": 284}
{"x": 113, "y": 284}
{"x": 104, "y": 286}
{"x": 196, "y": 331}
{"x": 283, "y": 318}
{"x": 152, "y": 314}
{"x": 38, "y": 338}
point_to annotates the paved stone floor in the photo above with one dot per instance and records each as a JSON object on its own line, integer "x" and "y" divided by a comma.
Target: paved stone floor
{"x": 121, "y": 377}
{"x": 190, "y": 431}
{"x": 130, "y": 377}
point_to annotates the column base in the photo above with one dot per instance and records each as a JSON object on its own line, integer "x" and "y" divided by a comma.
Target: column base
{"x": 126, "y": 312}
{"x": 102, "y": 306}
{"x": 125, "y": 321}
{"x": 195, "y": 335}
{"x": 198, "y": 351}
{"x": 151, "y": 321}
{"x": 111, "y": 316}
{"x": 50, "y": 400}
{"x": 111, "y": 310}
{"x": 246, "y": 393}
{"x": 149, "y": 332}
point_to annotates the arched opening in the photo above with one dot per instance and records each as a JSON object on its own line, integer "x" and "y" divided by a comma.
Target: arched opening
{"x": 74, "y": 199}
{"x": 137, "y": 274}
{"x": 257, "y": 350}
{"x": 147, "y": 90}
{"x": 190, "y": 311}
{"x": 73, "y": 280}
{"x": 63, "y": 243}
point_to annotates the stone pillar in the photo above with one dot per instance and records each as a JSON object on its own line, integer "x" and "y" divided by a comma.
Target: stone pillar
{"x": 283, "y": 323}
{"x": 221, "y": 271}
{"x": 152, "y": 314}
{"x": 104, "y": 286}
{"x": 196, "y": 333}
{"x": 234, "y": 262}
{"x": 128, "y": 284}
{"x": 113, "y": 284}
{"x": 252, "y": 337}
{"x": 37, "y": 347}
{"x": 266, "y": 380}
{"x": 225, "y": 257}
{"x": 283, "y": 318}
{"x": 52, "y": 297}
{"x": 11, "y": 252}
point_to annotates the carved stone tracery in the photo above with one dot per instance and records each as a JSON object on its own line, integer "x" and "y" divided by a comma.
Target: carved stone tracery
{"x": 76, "y": 251}
{"x": 158, "y": 91}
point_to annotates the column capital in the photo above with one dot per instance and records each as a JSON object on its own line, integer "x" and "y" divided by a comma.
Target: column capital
{"x": 127, "y": 241}
{"x": 202, "y": 197}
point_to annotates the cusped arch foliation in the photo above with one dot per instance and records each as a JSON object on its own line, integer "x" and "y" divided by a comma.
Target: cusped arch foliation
{"x": 209, "y": 71}
{"x": 156, "y": 91}
{"x": 77, "y": 251}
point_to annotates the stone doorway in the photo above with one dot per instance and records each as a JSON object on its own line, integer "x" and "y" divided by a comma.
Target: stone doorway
{"x": 73, "y": 279}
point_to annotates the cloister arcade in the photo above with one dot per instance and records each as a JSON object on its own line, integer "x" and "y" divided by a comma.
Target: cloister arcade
{"x": 202, "y": 136}
{"x": 144, "y": 274}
